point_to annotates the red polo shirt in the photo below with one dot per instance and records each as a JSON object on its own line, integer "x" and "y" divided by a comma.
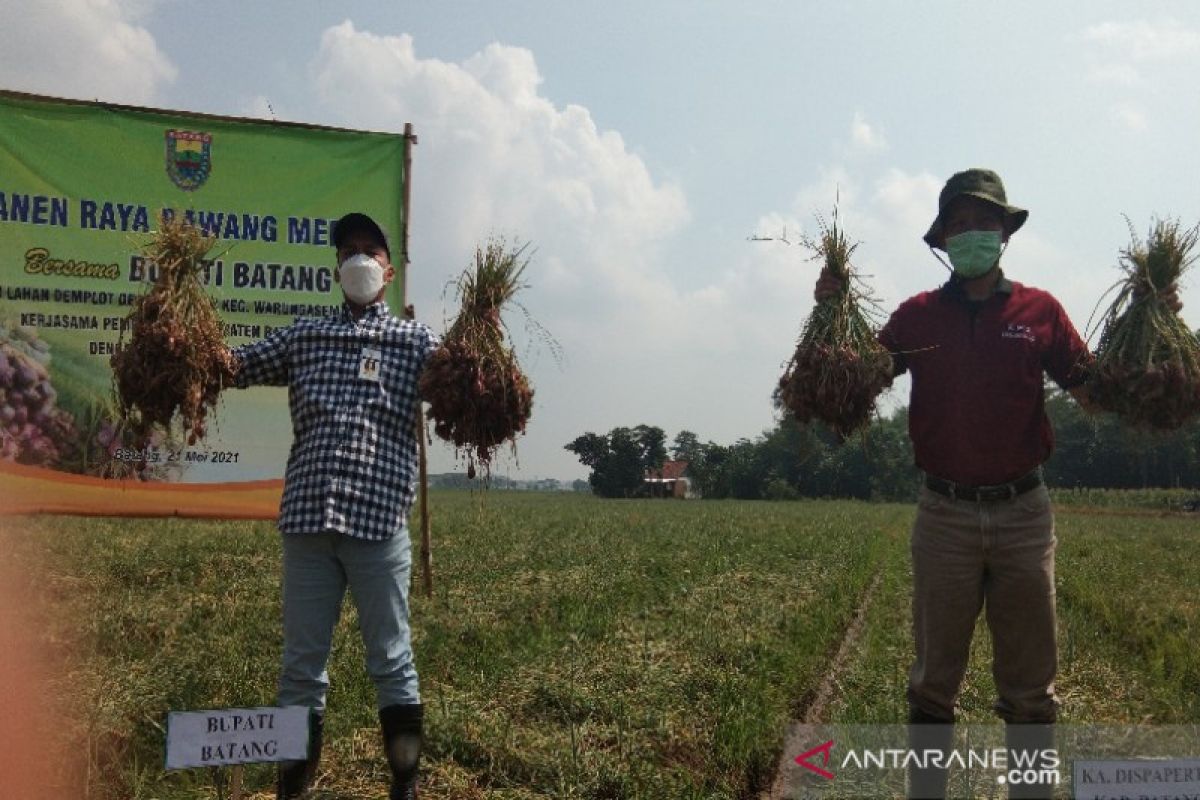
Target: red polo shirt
{"x": 977, "y": 415}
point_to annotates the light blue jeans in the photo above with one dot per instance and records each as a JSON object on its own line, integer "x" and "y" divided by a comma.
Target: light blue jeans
{"x": 317, "y": 569}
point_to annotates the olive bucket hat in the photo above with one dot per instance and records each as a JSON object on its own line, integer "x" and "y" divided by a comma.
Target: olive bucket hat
{"x": 981, "y": 183}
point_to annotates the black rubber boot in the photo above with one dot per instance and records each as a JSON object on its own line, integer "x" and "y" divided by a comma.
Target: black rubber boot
{"x": 402, "y": 746}
{"x": 295, "y": 777}
{"x": 1031, "y": 751}
{"x": 928, "y": 735}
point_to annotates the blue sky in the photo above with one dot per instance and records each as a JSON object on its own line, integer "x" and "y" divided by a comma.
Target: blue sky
{"x": 638, "y": 145}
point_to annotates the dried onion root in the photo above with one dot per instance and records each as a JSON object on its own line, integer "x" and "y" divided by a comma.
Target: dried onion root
{"x": 478, "y": 396}
{"x": 1147, "y": 364}
{"x": 175, "y": 362}
{"x": 838, "y": 368}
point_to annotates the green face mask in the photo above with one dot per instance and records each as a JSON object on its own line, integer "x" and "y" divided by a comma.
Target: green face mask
{"x": 973, "y": 252}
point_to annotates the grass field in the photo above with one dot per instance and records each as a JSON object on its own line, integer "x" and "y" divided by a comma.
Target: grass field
{"x": 579, "y": 648}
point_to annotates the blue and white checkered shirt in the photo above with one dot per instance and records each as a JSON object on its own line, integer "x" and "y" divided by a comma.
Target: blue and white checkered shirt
{"x": 354, "y": 453}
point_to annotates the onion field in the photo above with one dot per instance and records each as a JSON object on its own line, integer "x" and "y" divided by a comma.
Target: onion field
{"x": 576, "y": 647}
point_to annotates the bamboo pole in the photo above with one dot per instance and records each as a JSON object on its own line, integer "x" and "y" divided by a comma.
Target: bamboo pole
{"x": 426, "y": 538}
{"x": 410, "y": 139}
{"x": 423, "y": 489}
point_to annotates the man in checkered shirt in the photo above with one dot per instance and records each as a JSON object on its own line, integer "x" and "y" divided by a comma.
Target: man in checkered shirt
{"x": 352, "y": 393}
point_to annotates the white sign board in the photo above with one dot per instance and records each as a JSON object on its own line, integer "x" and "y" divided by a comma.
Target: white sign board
{"x": 225, "y": 736}
{"x": 1137, "y": 780}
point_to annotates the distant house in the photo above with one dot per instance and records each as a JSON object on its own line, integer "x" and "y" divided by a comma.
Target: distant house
{"x": 670, "y": 481}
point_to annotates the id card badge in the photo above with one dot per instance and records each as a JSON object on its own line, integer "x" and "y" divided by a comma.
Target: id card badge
{"x": 369, "y": 364}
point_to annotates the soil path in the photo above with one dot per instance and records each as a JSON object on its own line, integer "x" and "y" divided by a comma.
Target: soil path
{"x": 35, "y": 761}
{"x": 799, "y": 738}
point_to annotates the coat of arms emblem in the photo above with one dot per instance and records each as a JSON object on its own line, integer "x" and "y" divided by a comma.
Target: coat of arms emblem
{"x": 189, "y": 158}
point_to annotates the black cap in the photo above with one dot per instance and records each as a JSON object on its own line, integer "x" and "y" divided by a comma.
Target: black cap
{"x": 358, "y": 221}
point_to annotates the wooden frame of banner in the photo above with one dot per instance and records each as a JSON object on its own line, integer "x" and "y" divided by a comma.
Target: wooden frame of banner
{"x": 236, "y": 772}
{"x": 410, "y": 139}
{"x": 235, "y": 790}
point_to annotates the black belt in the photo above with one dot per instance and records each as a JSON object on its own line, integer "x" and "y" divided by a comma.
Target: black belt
{"x": 1000, "y": 491}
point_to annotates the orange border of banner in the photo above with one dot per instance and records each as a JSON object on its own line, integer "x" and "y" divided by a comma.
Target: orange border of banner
{"x": 33, "y": 490}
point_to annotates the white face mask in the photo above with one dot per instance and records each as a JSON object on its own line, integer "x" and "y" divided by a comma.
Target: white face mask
{"x": 361, "y": 278}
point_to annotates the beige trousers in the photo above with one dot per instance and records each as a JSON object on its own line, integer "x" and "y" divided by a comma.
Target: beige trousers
{"x": 993, "y": 555}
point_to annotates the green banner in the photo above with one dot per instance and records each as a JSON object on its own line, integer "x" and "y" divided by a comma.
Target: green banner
{"x": 83, "y": 184}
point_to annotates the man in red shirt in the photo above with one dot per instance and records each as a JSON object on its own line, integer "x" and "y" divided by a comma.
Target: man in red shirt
{"x": 983, "y": 537}
{"x": 984, "y": 534}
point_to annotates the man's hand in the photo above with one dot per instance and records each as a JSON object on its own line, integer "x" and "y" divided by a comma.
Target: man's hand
{"x": 229, "y": 366}
{"x": 828, "y": 285}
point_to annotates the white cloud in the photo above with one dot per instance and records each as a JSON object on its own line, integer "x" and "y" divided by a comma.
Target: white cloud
{"x": 1130, "y": 117}
{"x": 87, "y": 49}
{"x": 1139, "y": 55}
{"x": 864, "y": 138}
{"x": 496, "y": 153}
{"x": 1116, "y": 74}
{"x": 1142, "y": 40}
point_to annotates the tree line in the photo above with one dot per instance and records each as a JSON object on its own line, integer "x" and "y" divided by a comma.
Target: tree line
{"x": 793, "y": 461}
